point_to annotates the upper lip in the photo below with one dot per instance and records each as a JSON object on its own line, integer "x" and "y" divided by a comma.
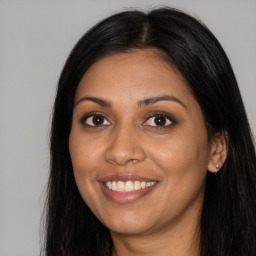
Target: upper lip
{"x": 124, "y": 178}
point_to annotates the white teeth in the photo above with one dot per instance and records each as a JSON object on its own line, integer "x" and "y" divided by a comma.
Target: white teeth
{"x": 109, "y": 184}
{"x": 120, "y": 186}
{"x": 114, "y": 186}
{"x": 137, "y": 185}
{"x": 128, "y": 186}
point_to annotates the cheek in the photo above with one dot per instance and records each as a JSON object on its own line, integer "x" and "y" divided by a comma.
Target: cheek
{"x": 183, "y": 157}
{"x": 183, "y": 162}
{"x": 85, "y": 153}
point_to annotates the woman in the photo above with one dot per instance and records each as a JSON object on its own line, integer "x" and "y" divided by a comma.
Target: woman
{"x": 151, "y": 150}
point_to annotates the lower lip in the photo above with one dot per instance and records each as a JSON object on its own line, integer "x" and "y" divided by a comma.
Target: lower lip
{"x": 125, "y": 197}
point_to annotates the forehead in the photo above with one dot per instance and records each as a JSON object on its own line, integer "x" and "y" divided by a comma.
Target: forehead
{"x": 133, "y": 75}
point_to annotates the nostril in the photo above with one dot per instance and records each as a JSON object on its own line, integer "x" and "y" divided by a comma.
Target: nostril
{"x": 124, "y": 159}
{"x": 124, "y": 156}
{"x": 124, "y": 147}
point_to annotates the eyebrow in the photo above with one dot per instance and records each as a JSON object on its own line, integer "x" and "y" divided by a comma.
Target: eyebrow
{"x": 152, "y": 100}
{"x": 144, "y": 102}
{"x": 99, "y": 101}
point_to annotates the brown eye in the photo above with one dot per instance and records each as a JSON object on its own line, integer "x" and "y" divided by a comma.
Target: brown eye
{"x": 98, "y": 120}
{"x": 95, "y": 120}
{"x": 159, "y": 120}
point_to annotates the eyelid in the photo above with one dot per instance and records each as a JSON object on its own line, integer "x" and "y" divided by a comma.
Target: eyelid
{"x": 91, "y": 114}
{"x": 153, "y": 117}
{"x": 168, "y": 116}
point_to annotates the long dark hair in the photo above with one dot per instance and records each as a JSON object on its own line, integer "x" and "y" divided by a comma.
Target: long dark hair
{"x": 228, "y": 222}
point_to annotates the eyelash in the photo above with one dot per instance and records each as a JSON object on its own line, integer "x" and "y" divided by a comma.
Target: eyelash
{"x": 91, "y": 115}
{"x": 167, "y": 117}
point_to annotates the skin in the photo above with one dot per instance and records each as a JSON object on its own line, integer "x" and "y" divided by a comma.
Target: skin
{"x": 177, "y": 154}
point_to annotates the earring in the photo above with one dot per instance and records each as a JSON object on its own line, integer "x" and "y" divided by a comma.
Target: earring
{"x": 217, "y": 169}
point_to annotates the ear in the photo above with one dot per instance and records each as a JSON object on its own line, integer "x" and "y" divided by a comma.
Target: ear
{"x": 218, "y": 151}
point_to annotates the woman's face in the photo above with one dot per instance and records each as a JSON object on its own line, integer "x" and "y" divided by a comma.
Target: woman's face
{"x": 138, "y": 144}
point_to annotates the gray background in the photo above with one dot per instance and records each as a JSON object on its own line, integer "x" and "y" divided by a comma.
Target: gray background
{"x": 35, "y": 39}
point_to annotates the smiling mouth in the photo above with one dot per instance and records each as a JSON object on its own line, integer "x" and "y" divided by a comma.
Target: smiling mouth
{"x": 128, "y": 186}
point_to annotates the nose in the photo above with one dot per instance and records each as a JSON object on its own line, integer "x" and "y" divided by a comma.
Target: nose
{"x": 124, "y": 147}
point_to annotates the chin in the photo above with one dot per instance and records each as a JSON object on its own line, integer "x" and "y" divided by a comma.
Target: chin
{"x": 128, "y": 223}
{"x": 127, "y": 229}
